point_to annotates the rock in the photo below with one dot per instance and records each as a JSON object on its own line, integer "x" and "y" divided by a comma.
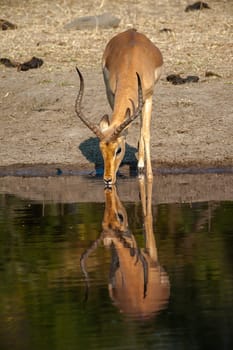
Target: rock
{"x": 212, "y": 74}
{"x": 165, "y": 30}
{"x": 9, "y": 63}
{"x": 5, "y": 25}
{"x": 199, "y": 5}
{"x": 176, "y": 79}
{"x": 192, "y": 79}
{"x": 106, "y": 20}
{"x": 33, "y": 63}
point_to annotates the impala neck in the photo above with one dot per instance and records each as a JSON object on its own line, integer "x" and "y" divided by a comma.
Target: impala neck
{"x": 124, "y": 92}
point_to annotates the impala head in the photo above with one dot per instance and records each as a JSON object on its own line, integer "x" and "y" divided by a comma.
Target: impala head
{"x": 112, "y": 149}
{"x": 115, "y": 219}
{"x": 112, "y": 138}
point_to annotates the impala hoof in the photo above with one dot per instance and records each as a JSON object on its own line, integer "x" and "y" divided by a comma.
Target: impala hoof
{"x": 141, "y": 171}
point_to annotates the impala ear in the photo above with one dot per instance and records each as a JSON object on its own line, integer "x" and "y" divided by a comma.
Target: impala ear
{"x": 104, "y": 123}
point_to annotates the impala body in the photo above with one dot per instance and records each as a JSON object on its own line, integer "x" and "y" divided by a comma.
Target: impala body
{"x": 131, "y": 67}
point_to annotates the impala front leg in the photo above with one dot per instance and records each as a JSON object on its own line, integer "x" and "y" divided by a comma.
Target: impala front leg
{"x": 141, "y": 151}
{"x": 144, "y": 142}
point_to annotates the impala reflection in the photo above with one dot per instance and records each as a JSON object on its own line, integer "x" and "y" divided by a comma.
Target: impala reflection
{"x": 138, "y": 285}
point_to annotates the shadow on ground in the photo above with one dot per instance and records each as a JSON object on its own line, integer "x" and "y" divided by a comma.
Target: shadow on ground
{"x": 90, "y": 150}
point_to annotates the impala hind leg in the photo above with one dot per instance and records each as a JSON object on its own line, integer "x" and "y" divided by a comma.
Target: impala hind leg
{"x": 144, "y": 141}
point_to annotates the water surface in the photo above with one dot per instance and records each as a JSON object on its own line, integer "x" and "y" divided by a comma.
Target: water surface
{"x": 44, "y": 299}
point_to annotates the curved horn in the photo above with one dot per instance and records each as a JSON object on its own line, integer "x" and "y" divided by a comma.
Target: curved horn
{"x": 78, "y": 102}
{"x": 136, "y": 112}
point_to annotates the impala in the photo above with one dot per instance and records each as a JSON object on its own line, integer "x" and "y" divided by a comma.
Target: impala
{"x": 138, "y": 285}
{"x": 131, "y": 66}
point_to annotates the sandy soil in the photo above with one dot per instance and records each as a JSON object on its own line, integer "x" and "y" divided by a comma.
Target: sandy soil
{"x": 192, "y": 123}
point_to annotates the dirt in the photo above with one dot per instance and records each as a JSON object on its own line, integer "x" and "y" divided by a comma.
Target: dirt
{"x": 192, "y": 123}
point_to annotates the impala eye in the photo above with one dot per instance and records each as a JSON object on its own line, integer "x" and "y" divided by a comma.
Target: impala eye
{"x": 120, "y": 217}
{"x": 118, "y": 151}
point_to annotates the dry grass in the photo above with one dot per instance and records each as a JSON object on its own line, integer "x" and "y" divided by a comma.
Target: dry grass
{"x": 199, "y": 41}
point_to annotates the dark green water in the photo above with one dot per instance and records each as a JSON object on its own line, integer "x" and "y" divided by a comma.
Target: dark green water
{"x": 42, "y": 287}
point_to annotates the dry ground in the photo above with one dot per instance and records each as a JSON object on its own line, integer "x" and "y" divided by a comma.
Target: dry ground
{"x": 192, "y": 123}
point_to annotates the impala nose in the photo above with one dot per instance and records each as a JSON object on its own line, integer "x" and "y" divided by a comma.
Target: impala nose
{"x": 108, "y": 181}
